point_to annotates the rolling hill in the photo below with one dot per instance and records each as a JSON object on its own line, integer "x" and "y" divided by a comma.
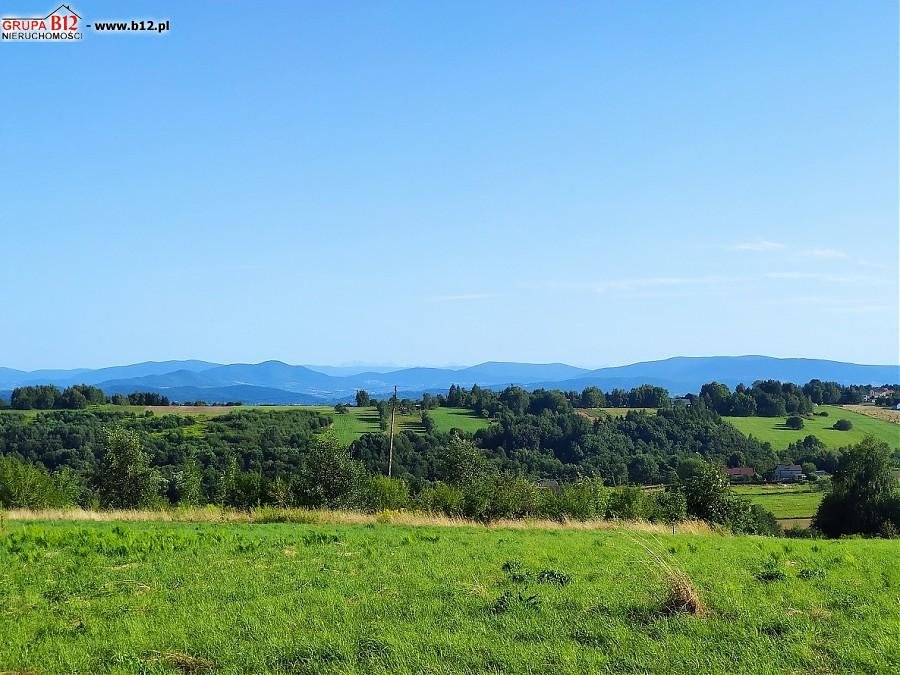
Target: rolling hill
{"x": 282, "y": 383}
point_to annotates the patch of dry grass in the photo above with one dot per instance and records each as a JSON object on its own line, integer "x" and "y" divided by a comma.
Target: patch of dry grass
{"x": 186, "y": 663}
{"x": 211, "y": 514}
{"x": 885, "y": 414}
{"x": 681, "y": 595}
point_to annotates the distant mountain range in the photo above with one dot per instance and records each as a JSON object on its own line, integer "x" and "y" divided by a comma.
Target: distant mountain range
{"x": 277, "y": 382}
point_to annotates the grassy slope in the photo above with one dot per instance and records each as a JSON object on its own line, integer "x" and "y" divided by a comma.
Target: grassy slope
{"x": 615, "y": 412}
{"x": 293, "y": 598}
{"x": 357, "y": 421}
{"x": 783, "y": 501}
{"x": 459, "y": 418}
{"x": 772, "y": 429}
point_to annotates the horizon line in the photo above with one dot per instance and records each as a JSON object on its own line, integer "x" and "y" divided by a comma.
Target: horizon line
{"x": 387, "y": 368}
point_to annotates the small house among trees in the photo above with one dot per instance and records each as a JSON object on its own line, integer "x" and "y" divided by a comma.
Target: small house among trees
{"x": 740, "y": 474}
{"x": 788, "y": 473}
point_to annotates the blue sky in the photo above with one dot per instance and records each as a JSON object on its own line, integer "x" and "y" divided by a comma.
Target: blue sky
{"x": 446, "y": 183}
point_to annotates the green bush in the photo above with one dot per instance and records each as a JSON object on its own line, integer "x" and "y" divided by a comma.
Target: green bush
{"x": 491, "y": 497}
{"x": 441, "y": 498}
{"x": 669, "y": 506}
{"x": 843, "y": 425}
{"x": 328, "y": 478}
{"x": 29, "y": 486}
{"x": 585, "y": 500}
{"x": 794, "y": 422}
{"x": 864, "y": 496}
{"x": 386, "y": 494}
{"x": 627, "y": 503}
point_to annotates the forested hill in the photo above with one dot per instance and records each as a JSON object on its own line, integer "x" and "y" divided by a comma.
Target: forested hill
{"x": 277, "y": 382}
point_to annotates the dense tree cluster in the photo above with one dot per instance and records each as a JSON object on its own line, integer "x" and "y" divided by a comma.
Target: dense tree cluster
{"x": 234, "y": 455}
{"x": 491, "y": 403}
{"x": 76, "y": 397}
{"x": 540, "y": 435}
{"x": 766, "y": 398}
{"x": 48, "y": 397}
{"x": 865, "y": 498}
{"x": 833, "y": 393}
{"x": 771, "y": 398}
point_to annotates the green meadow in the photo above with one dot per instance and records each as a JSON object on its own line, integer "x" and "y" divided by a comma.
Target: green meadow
{"x": 772, "y": 429}
{"x": 356, "y": 421}
{"x": 784, "y": 501}
{"x": 287, "y": 598}
{"x": 615, "y": 412}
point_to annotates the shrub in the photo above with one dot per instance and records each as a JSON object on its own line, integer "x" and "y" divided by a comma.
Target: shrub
{"x": 328, "y": 477}
{"x": 627, "y": 503}
{"x": 585, "y": 500}
{"x": 794, "y": 422}
{"x": 843, "y": 425}
{"x": 386, "y": 494}
{"x": 706, "y": 493}
{"x": 863, "y": 497}
{"x": 30, "y": 486}
{"x": 441, "y": 498}
{"x": 499, "y": 496}
{"x": 669, "y": 506}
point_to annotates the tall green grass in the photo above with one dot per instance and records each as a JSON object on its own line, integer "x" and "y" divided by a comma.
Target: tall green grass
{"x": 145, "y": 597}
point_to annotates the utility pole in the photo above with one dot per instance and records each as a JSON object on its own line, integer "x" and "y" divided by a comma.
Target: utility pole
{"x": 391, "y": 447}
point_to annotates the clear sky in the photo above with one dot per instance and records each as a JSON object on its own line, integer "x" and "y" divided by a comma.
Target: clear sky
{"x": 432, "y": 183}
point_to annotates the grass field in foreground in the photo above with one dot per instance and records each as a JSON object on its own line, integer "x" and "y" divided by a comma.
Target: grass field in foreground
{"x": 784, "y": 501}
{"x": 772, "y": 429}
{"x": 145, "y": 597}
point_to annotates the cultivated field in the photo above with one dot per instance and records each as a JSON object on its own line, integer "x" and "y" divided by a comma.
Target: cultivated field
{"x": 191, "y": 598}
{"x": 772, "y": 429}
{"x": 886, "y": 414}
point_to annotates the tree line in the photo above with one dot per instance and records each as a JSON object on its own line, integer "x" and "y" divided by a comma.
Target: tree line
{"x": 76, "y": 397}
{"x": 771, "y": 398}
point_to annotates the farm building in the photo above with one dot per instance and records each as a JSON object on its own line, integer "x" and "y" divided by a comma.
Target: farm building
{"x": 788, "y": 473}
{"x": 878, "y": 392}
{"x": 740, "y": 474}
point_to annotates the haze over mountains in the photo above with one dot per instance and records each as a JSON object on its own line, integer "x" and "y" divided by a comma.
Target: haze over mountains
{"x": 280, "y": 383}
